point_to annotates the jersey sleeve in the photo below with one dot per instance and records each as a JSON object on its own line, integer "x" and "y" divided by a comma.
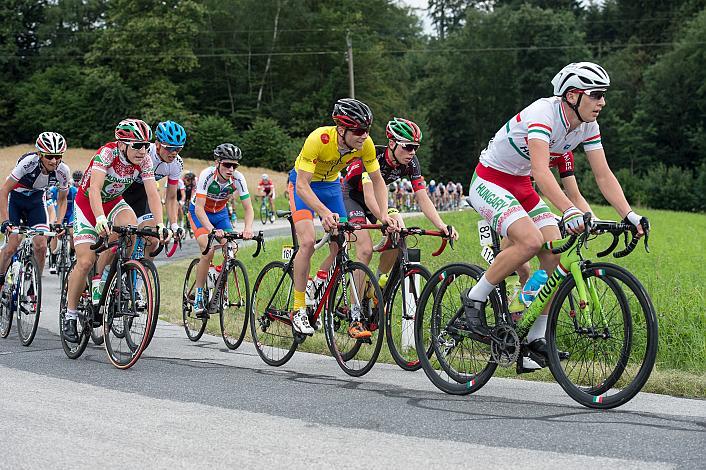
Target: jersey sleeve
{"x": 310, "y": 152}
{"x": 103, "y": 159}
{"x": 146, "y": 169}
{"x": 593, "y": 139}
{"x": 175, "y": 170}
{"x": 369, "y": 156}
{"x": 538, "y": 117}
{"x": 24, "y": 165}
{"x": 203, "y": 182}
{"x": 415, "y": 175}
{"x": 241, "y": 185}
{"x": 63, "y": 173}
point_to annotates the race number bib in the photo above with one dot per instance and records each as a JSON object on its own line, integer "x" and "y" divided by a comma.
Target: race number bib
{"x": 287, "y": 252}
{"x": 484, "y": 233}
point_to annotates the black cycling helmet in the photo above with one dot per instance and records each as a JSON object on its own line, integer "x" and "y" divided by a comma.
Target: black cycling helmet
{"x": 227, "y": 152}
{"x": 351, "y": 113}
{"x": 77, "y": 175}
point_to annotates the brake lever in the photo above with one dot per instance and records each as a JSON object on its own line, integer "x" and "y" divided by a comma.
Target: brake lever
{"x": 645, "y": 224}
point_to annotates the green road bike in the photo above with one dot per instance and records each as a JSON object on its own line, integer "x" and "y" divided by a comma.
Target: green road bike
{"x": 599, "y": 314}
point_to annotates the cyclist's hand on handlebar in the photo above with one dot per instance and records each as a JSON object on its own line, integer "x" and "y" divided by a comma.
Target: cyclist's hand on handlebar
{"x": 573, "y": 220}
{"x": 393, "y": 224}
{"x": 164, "y": 233}
{"x": 445, "y": 230}
{"x": 218, "y": 233}
{"x": 635, "y": 220}
{"x": 329, "y": 221}
{"x": 102, "y": 226}
{"x": 5, "y": 225}
{"x": 247, "y": 234}
{"x": 177, "y": 231}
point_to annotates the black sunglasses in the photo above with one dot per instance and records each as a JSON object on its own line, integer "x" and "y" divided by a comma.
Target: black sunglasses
{"x": 230, "y": 165}
{"x": 358, "y": 131}
{"x": 138, "y": 145}
{"x": 52, "y": 156}
{"x": 410, "y": 147}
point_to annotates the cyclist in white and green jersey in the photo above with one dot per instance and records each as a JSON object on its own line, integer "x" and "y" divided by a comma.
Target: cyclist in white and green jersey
{"x": 501, "y": 190}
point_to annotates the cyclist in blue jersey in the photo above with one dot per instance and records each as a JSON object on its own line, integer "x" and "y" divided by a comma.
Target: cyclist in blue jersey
{"x": 68, "y": 220}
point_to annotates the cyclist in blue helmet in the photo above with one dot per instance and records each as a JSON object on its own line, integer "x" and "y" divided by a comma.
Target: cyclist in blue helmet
{"x": 171, "y": 134}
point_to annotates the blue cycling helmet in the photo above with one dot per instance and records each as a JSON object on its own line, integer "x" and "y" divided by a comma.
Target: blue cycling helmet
{"x": 171, "y": 133}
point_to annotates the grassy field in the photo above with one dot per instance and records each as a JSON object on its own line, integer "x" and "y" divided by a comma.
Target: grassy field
{"x": 672, "y": 273}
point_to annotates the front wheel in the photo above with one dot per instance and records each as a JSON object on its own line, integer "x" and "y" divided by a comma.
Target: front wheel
{"x": 234, "y": 305}
{"x": 154, "y": 278}
{"x": 263, "y": 213}
{"x": 401, "y": 307}
{"x": 193, "y": 326}
{"x": 129, "y": 314}
{"x": 29, "y": 301}
{"x": 6, "y": 309}
{"x": 270, "y": 327}
{"x": 355, "y": 297}
{"x": 612, "y": 342}
{"x": 75, "y": 350}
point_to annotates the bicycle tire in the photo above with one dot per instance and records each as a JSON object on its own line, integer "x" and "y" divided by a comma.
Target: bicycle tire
{"x": 639, "y": 340}
{"x": 6, "y": 311}
{"x": 124, "y": 304}
{"x": 273, "y": 339}
{"x": 234, "y": 316}
{"x": 29, "y": 307}
{"x": 193, "y": 326}
{"x": 97, "y": 336}
{"x": 427, "y": 330}
{"x": 396, "y": 329}
{"x": 154, "y": 278}
{"x": 355, "y": 357}
{"x": 75, "y": 350}
{"x": 263, "y": 213}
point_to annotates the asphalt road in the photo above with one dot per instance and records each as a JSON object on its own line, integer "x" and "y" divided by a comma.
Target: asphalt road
{"x": 190, "y": 404}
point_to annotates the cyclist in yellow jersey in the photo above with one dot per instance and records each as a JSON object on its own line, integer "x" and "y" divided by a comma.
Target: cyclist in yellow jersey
{"x": 314, "y": 187}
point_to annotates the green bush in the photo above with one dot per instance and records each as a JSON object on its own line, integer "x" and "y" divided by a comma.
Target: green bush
{"x": 267, "y": 145}
{"x": 206, "y": 133}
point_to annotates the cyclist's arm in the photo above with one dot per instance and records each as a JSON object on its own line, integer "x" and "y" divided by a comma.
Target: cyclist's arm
{"x": 547, "y": 184}
{"x": 428, "y": 208}
{"x": 249, "y": 214}
{"x": 572, "y": 191}
{"x": 94, "y": 191}
{"x": 171, "y": 203}
{"x": 369, "y": 196}
{"x": 61, "y": 205}
{"x": 9, "y": 184}
{"x": 154, "y": 200}
{"x": 380, "y": 189}
{"x": 607, "y": 182}
{"x": 200, "y": 211}
{"x": 307, "y": 195}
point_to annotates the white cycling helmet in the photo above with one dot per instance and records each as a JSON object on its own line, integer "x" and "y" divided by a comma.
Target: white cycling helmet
{"x": 51, "y": 143}
{"x": 265, "y": 176}
{"x": 581, "y": 75}
{"x": 432, "y": 183}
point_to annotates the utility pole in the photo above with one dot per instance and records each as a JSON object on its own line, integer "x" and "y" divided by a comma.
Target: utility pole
{"x": 351, "y": 79}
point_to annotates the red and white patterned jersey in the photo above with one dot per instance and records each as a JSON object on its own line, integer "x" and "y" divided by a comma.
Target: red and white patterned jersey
{"x": 119, "y": 172}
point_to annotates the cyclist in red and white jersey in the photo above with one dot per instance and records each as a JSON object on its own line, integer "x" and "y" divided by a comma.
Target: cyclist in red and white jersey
{"x": 99, "y": 204}
{"x": 266, "y": 188}
{"x": 501, "y": 190}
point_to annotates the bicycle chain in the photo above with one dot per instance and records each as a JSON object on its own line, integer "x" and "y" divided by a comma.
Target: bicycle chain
{"x": 505, "y": 345}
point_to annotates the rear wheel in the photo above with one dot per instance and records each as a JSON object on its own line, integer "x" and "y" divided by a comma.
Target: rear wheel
{"x": 29, "y": 301}
{"x": 234, "y": 305}
{"x": 612, "y": 344}
{"x": 270, "y": 327}
{"x": 6, "y": 309}
{"x": 193, "y": 326}
{"x": 129, "y": 314}
{"x": 401, "y": 307}
{"x": 461, "y": 364}
{"x": 355, "y": 296}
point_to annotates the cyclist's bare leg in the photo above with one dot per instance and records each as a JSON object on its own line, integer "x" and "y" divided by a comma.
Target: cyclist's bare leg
{"x": 523, "y": 272}
{"x": 204, "y": 261}
{"x": 526, "y": 242}
{"x": 302, "y": 262}
{"x": 547, "y": 260}
{"x": 124, "y": 217}
{"x": 39, "y": 243}
{"x": 389, "y": 257}
{"x": 150, "y": 242}
{"x": 364, "y": 247}
{"x": 85, "y": 257}
{"x": 8, "y": 251}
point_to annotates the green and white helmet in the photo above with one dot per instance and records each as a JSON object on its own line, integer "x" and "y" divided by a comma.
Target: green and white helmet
{"x": 403, "y": 131}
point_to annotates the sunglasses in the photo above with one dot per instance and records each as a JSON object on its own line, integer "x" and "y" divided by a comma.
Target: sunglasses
{"x": 51, "y": 156}
{"x": 410, "y": 147}
{"x": 594, "y": 94}
{"x": 171, "y": 148}
{"x": 230, "y": 165}
{"x": 138, "y": 145}
{"x": 359, "y": 131}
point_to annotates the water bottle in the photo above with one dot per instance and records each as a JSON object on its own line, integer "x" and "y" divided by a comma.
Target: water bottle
{"x": 534, "y": 284}
{"x": 310, "y": 292}
{"x": 212, "y": 276}
{"x": 318, "y": 282}
{"x": 514, "y": 288}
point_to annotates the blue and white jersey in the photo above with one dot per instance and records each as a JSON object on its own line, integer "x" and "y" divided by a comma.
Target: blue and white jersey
{"x": 31, "y": 179}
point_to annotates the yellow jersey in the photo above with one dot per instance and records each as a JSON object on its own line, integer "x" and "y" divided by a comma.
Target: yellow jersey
{"x": 320, "y": 155}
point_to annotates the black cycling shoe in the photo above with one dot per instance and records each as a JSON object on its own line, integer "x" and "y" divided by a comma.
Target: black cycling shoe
{"x": 539, "y": 347}
{"x": 474, "y": 312}
{"x": 69, "y": 331}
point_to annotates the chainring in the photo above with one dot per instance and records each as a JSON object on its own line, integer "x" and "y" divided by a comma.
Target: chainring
{"x": 505, "y": 345}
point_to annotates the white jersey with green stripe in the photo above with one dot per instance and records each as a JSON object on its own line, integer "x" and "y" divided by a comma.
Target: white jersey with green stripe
{"x": 546, "y": 120}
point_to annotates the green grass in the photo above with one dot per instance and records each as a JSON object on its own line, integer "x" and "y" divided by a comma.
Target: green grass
{"x": 672, "y": 273}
